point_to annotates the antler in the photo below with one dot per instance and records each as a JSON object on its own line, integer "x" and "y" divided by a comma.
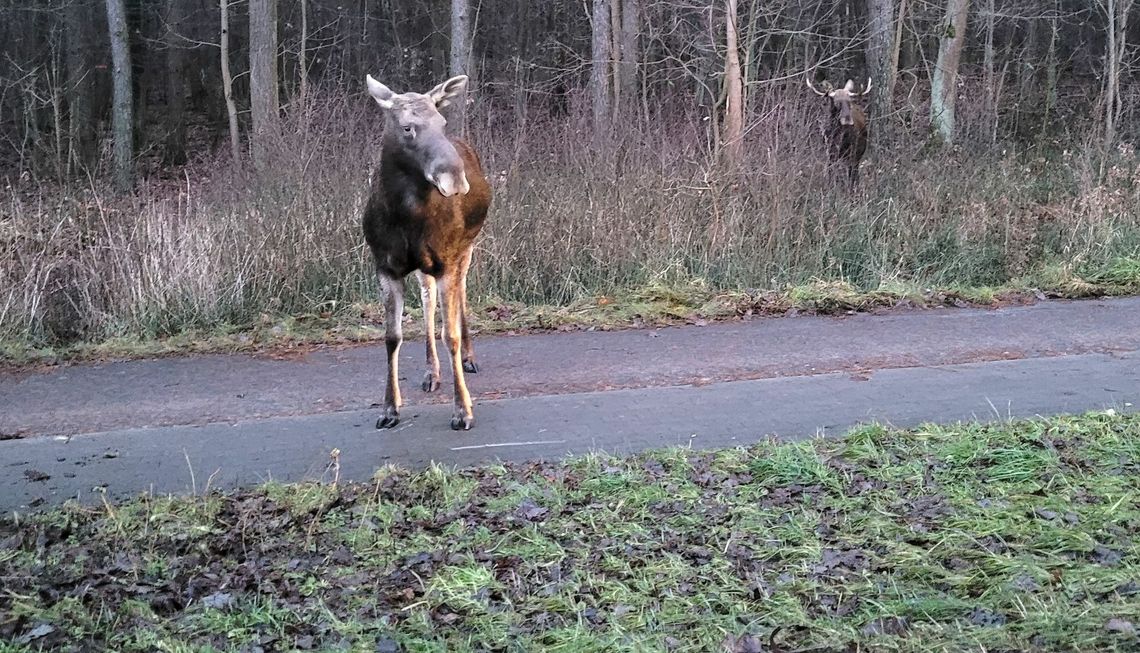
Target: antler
{"x": 868, "y": 89}
{"x": 807, "y": 78}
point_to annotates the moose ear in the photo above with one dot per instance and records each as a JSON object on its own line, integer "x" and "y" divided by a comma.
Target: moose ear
{"x": 382, "y": 94}
{"x": 443, "y": 93}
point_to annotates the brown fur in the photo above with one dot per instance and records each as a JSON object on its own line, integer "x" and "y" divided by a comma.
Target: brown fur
{"x": 849, "y": 142}
{"x": 410, "y": 226}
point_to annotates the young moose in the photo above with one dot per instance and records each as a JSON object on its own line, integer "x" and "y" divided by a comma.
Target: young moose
{"x": 847, "y": 132}
{"x": 428, "y": 203}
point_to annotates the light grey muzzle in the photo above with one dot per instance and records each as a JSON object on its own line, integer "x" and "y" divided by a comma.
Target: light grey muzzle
{"x": 450, "y": 183}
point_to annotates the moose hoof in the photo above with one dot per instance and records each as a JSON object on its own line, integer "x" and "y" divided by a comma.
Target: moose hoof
{"x": 431, "y": 382}
{"x": 390, "y": 418}
{"x": 469, "y": 366}
{"x": 461, "y": 422}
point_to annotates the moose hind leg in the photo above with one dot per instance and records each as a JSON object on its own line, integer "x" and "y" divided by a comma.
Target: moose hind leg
{"x": 450, "y": 295}
{"x": 428, "y": 293}
{"x": 468, "y": 348}
{"x": 392, "y": 291}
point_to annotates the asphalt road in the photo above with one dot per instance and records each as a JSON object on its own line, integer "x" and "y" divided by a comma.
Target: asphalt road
{"x": 184, "y": 424}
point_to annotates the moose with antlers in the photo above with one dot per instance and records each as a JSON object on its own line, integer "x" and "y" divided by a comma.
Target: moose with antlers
{"x": 846, "y": 133}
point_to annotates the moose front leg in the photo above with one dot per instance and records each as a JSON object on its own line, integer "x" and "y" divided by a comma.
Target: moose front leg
{"x": 392, "y": 292}
{"x": 451, "y": 292}
{"x": 427, "y": 297}
{"x": 468, "y": 349}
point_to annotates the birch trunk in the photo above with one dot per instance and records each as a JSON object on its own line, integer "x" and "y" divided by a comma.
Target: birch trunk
{"x": 460, "y": 60}
{"x": 601, "y": 55}
{"x": 944, "y": 84}
{"x": 228, "y": 80}
{"x": 734, "y": 92}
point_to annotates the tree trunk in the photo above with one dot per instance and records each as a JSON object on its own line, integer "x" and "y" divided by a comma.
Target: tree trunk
{"x": 80, "y": 86}
{"x": 1112, "y": 77}
{"x": 264, "y": 102}
{"x": 734, "y": 91}
{"x": 599, "y": 72}
{"x": 944, "y": 83}
{"x": 123, "y": 101}
{"x": 896, "y": 45}
{"x": 880, "y": 55}
{"x": 175, "y": 146}
{"x": 460, "y": 59}
{"x": 630, "y": 55}
{"x": 1115, "y": 46}
{"x": 228, "y": 81}
{"x": 1051, "y": 72}
{"x": 748, "y": 69}
{"x": 615, "y": 56}
{"x": 989, "y": 79}
{"x": 303, "y": 56}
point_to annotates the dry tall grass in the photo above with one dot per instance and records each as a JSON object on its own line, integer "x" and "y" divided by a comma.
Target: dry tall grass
{"x": 217, "y": 247}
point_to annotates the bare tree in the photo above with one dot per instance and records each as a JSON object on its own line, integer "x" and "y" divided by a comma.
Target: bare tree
{"x": 80, "y": 84}
{"x": 944, "y": 82}
{"x": 264, "y": 102}
{"x": 1051, "y": 68}
{"x": 880, "y": 59}
{"x": 630, "y": 55}
{"x": 303, "y": 54}
{"x": 734, "y": 89}
{"x": 175, "y": 146}
{"x": 896, "y": 45}
{"x": 989, "y": 74}
{"x": 601, "y": 55}
{"x": 1115, "y": 47}
{"x": 122, "y": 120}
{"x": 228, "y": 80}
{"x": 460, "y": 59}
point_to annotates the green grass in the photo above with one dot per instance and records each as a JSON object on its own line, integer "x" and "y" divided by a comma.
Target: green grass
{"x": 653, "y": 305}
{"x": 1018, "y": 536}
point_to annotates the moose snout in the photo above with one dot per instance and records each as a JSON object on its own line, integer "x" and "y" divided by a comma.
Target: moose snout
{"x": 450, "y": 182}
{"x": 444, "y": 169}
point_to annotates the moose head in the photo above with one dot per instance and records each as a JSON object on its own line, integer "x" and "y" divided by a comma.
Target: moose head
{"x": 414, "y": 131}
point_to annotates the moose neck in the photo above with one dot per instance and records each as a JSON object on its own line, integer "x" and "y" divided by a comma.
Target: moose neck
{"x": 433, "y": 164}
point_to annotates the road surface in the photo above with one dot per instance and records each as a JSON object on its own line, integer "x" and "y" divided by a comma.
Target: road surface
{"x": 219, "y": 421}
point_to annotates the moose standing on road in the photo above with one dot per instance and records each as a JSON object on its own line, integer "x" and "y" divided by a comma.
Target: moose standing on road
{"x": 847, "y": 132}
{"x": 428, "y": 203}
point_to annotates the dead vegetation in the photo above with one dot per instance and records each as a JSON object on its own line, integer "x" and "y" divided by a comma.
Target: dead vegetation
{"x": 216, "y": 251}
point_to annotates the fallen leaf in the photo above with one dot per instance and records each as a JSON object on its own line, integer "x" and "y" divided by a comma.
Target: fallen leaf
{"x": 743, "y": 644}
{"x": 984, "y": 617}
{"x": 387, "y": 645}
{"x": 531, "y": 511}
{"x": 886, "y": 626}
{"x": 36, "y": 476}
{"x": 218, "y": 600}
{"x": 1102, "y": 555}
{"x": 1118, "y": 625}
{"x": 42, "y": 630}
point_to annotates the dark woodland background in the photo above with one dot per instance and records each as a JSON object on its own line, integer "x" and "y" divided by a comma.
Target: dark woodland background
{"x": 629, "y": 145}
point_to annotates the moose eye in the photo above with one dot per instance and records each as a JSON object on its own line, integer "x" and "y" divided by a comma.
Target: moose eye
{"x": 407, "y": 129}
